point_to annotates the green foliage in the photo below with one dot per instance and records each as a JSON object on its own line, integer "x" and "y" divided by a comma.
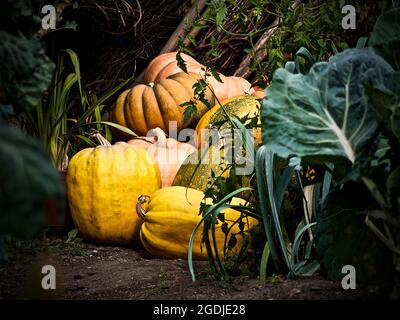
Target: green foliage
{"x": 344, "y": 239}
{"x": 324, "y": 113}
{"x": 246, "y": 21}
{"x": 31, "y": 187}
{"x": 25, "y": 70}
{"x": 199, "y": 90}
{"x": 218, "y": 12}
{"x": 298, "y": 26}
{"x": 68, "y": 114}
{"x": 221, "y": 189}
{"x": 346, "y": 111}
{"x": 385, "y": 37}
{"x": 272, "y": 183}
{"x": 384, "y": 94}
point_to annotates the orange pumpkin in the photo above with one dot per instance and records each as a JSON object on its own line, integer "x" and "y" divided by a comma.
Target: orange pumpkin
{"x": 257, "y": 92}
{"x": 230, "y": 87}
{"x": 166, "y": 65}
{"x": 146, "y": 107}
{"x": 168, "y": 153}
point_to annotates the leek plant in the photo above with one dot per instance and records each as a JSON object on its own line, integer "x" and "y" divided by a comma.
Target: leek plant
{"x": 51, "y": 121}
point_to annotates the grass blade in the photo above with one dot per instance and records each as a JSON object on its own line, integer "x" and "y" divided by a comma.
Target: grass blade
{"x": 75, "y": 63}
{"x": 112, "y": 124}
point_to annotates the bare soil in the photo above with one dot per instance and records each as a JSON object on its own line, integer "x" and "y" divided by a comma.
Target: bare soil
{"x": 94, "y": 272}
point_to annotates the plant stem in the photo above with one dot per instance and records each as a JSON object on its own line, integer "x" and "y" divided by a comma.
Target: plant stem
{"x": 381, "y": 236}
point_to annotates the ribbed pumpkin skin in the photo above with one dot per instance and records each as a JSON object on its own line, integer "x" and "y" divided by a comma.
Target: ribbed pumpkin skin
{"x": 166, "y": 65}
{"x": 168, "y": 154}
{"x": 238, "y": 106}
{"x": 146, "y": 107}
{"x": 103, "y": 185}
{"x": 172, "y": 214}
{"x": 230, "y": 87}
{"x": 195, "y": 171}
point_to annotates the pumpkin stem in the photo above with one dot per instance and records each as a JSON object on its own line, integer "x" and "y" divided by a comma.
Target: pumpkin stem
{"x": 160, "y": 136}
{"x": 139, "y": 209}
{"x": 151, "y": 84}
{"x": 101, "y": 140}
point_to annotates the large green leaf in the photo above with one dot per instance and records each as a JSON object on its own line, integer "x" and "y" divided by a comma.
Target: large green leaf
{"x": 385, "y": 37}
{"x": 25, "y": 70}
{"x": 326, "y": 113}
{"x": 385, "y": 96}
{"x": 344, "y": 239}
{"x": 30, "y": 185}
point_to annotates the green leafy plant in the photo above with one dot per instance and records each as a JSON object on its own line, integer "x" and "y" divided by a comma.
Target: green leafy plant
{"x": 332, "y": 116}
{"x": 31, "y": 187}
{"x": 25, "y": 70}
{"x": 344, "y": 114}
{"x": 228, "y": 28}
{"x": 271, "y": 185}
{"x": 67, "y": 113}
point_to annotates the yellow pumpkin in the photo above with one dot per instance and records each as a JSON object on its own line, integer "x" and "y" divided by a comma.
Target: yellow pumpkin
{"x": 168, "y": 153}
{"x": 170, "y": 217}
{"x": 146, "y": 107}
{"x": 240, "y": 107}
{"x": 166, "y": 65}
{"x": 103, "y": 184}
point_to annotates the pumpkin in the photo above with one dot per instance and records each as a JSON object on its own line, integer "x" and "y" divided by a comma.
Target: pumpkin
{"x": 230, "y": 87}
{"x": 146, "y": 107}
{"x": 196, "y": 171}
{"x": 168, "y": 153}
{"x": 103, "y": 184}
{"x": 258, "y": 92}
{"x": 200, "y": 169}
{"x": 170, "y": 217}
{"x": 240, "y": 107}
{"x": 166, "y": 65}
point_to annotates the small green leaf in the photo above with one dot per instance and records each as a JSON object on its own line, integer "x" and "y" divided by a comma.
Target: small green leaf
{"x": 215, "y": 74}
{"x": 72, "y": 235}
{"x": 181, "y": 62}
{"x": 190, "y": 111}
{"x": 191, "y": 39}
{"x": 232, "y": 242}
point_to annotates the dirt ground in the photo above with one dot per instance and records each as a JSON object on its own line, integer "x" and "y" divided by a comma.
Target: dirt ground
{"x": 93, "y": 272}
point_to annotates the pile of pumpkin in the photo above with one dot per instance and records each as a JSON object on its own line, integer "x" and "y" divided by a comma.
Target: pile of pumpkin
{"x": 126, "y": 193}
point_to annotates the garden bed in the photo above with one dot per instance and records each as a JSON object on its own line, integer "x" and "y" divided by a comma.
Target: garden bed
{"x": 87, "y": 271}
